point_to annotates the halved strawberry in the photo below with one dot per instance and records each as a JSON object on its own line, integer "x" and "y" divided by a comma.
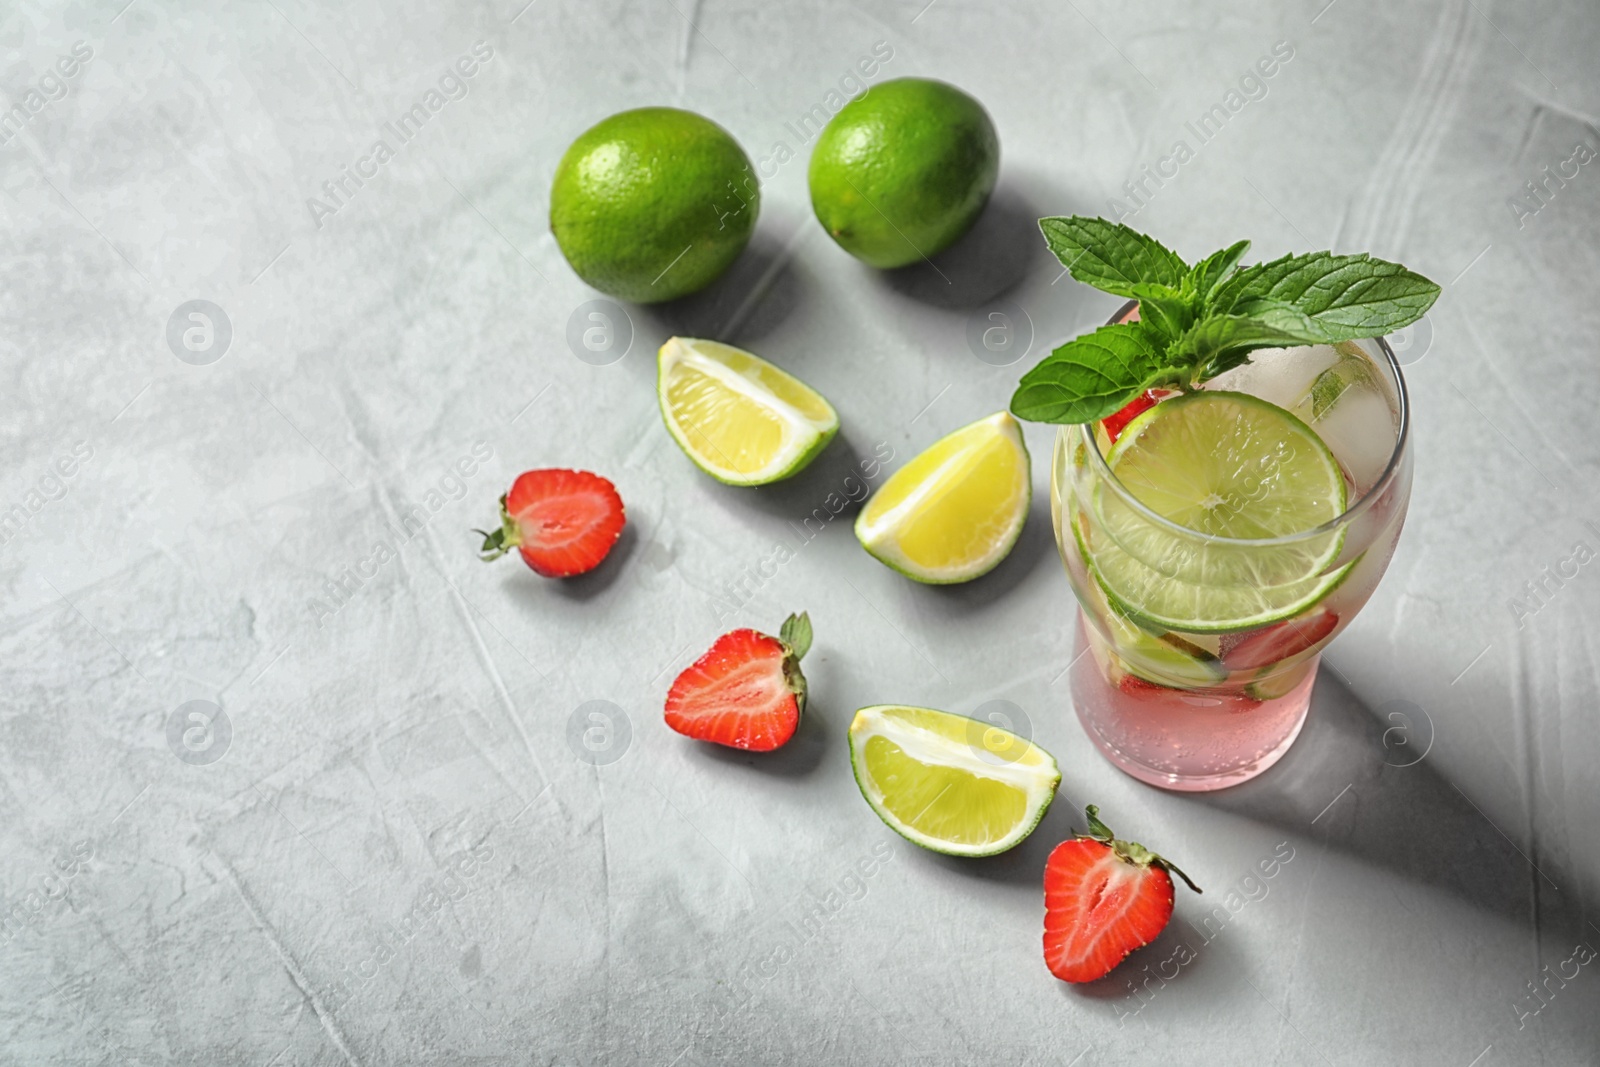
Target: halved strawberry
{"x": 1275, "y": 643}
{"x": 747, "y": 692}
{"x": 1103, "y": 898}
{"x": 1115, "y": 423}
{"x": 563, "y": 522}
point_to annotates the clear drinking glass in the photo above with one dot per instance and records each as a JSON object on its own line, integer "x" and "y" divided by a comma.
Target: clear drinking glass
{"x": 1210, "y": 706}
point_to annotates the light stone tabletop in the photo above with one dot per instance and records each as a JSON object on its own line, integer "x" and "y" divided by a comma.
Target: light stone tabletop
{"x": 289, "y": 777}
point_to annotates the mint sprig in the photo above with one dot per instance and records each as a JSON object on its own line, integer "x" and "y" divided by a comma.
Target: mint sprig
{"x": 1091, "y": 377}
{"x": 1111, "y": 256}
{"x": 1196, "y": 322}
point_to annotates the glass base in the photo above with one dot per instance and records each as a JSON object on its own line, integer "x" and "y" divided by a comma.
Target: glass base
{"x": 1187, "y": 740}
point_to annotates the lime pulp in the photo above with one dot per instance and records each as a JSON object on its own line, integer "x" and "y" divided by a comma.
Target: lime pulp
{"x": 1228, "y": 469}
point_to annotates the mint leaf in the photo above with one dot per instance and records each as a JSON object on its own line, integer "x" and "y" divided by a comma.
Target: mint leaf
{"x": 1225, "y": 361}
{"x": 1206, "y": 275}
{"x": 1285, "y": 321}
{"x": 1198, "y": 322}
{"x": 1164, "y": 313}
{"x": 1090, "y": 377}
{"x": 1219, "y": 342}
{"x": 1110, "y": 256}
{"x": 1267, "y": 324}
{"x": 1347, "y": 297}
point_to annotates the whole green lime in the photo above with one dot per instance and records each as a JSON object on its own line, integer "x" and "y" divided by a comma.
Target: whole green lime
{"x": 654, "y": 203}
{"x": 904, "y": 170}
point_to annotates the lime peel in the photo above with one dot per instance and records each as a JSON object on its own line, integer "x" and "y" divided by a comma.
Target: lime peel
{"x": 653, "y": 204}
{"x": 956, "y": 520}
{"x": 1188, "y": 453}
{"x": 900, "y": 753}
{"x": 744, "y": 403}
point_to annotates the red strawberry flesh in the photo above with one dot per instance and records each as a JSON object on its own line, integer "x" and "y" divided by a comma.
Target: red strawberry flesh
{"x": 1103, "y": 898}
{"x": 1134, "y": 686}
{"x": 565, "y": 521}
{"x": 1275, "y": 643}
{"x": 741, "y": 694}
{"x": 1098, "y": 908}
{"x": 1115, "y": 423}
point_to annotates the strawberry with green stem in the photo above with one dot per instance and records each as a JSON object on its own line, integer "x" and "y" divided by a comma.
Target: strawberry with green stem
{"x": 1103, "y": 898}
{"x": 747, "y": 691}
{"x": 563, "y": 522}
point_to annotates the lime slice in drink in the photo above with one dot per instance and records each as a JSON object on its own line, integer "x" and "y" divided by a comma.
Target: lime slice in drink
{"x": 1153, "y": 654}
{"x": 1272, "y": 684}
{"x": 954, "y": 511}
{"x": 1165, "y": 659}
{"x": 742, "y": 420}
{"x": 925, "y": 776}
{"x": 1226, "y": 466}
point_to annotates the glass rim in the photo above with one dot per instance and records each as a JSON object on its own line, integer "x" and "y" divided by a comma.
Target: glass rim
{"x": 1344, "y": 519}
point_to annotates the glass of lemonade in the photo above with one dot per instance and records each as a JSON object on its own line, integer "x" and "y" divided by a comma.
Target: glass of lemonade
{"x": 1217, "y": 542}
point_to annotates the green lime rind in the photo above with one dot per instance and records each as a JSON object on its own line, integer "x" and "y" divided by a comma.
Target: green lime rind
{"x": 1159, "y": 659}
{"x": 1303, "y": 601}
{"x": 902, "y": 171}
{"x": 794, "y": 465}
{"x": 996, "y": 555}
{"x": 1144, "y": 648}
{"x": 900, "y": 568}
{"x": 1272, "y": 683}
{"x": 1226, "y": 584}
{"x": 977, "y": 570}
{"x": 800, "y": 463}
{"x": 653, "y": 204}
{"x": 1042, "y": 793}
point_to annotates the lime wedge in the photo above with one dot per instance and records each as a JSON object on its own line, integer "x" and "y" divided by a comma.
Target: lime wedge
{"x": 955, "y": 510}
{"x": 1223, "y": 465}
{"x": 741, "y": 419}
{"x": 934, "y": 779}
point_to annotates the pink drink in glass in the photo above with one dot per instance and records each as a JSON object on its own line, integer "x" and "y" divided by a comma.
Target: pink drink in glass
{"x": 1197, "y": 711}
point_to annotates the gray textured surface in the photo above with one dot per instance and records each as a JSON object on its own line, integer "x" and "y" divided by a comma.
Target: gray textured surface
{"x": 399, "y": 858}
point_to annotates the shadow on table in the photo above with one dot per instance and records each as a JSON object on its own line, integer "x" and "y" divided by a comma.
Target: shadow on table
{"x": 828, "y": 492}
{"x": 760, "y": 290}
{"x": 797, "y": 759}
{"x": 987, "y": 262}
{"x": 1359, "y": 778}
{"x": 591, "y": 584}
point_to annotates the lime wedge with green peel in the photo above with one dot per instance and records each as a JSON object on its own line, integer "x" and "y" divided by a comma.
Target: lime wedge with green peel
{"x": 927, "y": 778}
{"x": 1226, "y": 468}
{"x": 741, "y": 419}
{"x": 953, "y": 512}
